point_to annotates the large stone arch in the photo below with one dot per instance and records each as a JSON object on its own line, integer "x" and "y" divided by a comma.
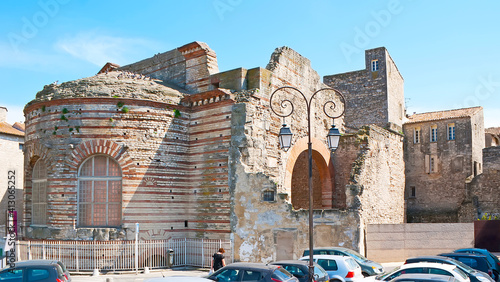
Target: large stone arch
{"x": 322, "y": 161}
{"x": 100, "y": 146}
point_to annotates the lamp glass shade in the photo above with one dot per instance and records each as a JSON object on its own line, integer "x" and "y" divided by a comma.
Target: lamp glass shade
{"x": 285, "y": 137}
{"x": 333, "y": 138}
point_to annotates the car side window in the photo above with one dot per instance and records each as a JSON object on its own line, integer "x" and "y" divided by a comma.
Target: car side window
{"x": 251, "y": 275}
{"x": 35, "y": 274}
{"x": 404, "y": 271}
{"x": 439, "y": 271}
{"x": 328, "y": 264}
{"x": 295, "y": 271}
{"x": 228, "y": 275}
{"x": 15, "y": 275}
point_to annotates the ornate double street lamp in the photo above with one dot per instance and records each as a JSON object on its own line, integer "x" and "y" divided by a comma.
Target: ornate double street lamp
{"x": 285, "y": 140}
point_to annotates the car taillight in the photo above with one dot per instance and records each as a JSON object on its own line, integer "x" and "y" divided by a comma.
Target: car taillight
{"x": 490, "y": 273}
{"x": 59, "y": 280}
{"x": 350, "y": 274}
{"x": 276, "y": 280}
{"x": 498, "y": 263}
{"x": 66, "y": 276}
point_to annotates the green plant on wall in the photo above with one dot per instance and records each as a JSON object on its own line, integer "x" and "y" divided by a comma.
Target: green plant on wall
{"x": 125, "y": 110}
{"x": 177, "y": 113}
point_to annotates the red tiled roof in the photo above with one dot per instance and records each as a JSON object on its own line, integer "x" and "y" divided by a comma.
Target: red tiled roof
{"x": 9, "y": 129}
{"x": 441, "y": 115}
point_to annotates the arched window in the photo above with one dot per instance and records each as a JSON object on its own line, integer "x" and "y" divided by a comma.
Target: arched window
{"x": 99, "y": 192}
{"x": 39, "y": 194}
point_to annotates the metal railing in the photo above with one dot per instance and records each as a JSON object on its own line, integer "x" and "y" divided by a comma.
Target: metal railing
{"x": 81, "y": 256}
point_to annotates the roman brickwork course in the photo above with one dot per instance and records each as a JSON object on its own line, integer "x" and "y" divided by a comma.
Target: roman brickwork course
{"x": 187, "y": 151}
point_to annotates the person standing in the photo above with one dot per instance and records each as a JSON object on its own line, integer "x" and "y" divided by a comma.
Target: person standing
{"x": 218, "y": 260}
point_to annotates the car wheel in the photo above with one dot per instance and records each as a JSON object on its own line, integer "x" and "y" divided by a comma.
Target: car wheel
{"x": 496, "y": 275}
{"x": 365, "y": 274}
{"x": 335, "y": 280}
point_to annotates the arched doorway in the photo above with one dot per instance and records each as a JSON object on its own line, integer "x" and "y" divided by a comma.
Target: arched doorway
{"x": 298, "y": 176}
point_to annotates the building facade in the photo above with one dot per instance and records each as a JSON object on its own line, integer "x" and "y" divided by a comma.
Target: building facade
{"x": 11, "y": 168}
{"x": 442, "y": 150}
{"x": 184, "y": 150}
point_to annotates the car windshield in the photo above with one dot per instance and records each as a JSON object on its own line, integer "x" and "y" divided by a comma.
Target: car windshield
{"x": 357, "y": 256}
{"x": 464, "y": 267}
{"x": 387, "y": 273}
{"x": 281, "y": 274}
{"x": 460, "y": 272}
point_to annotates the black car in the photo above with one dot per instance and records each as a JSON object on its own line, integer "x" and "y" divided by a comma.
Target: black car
{"x": 29, "y": 271}
{"x": 300, "y": 269}
{"x": 246, "y": 271}
{"x": 474, "y": 275}
{"x": 368, "y": 267}
{"x": 476, "y": 261}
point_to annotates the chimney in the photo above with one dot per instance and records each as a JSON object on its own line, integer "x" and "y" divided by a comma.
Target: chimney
{"x": 3, "y": 114}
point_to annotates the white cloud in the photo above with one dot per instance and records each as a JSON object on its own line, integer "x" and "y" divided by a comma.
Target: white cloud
{"x": 99, "y": 49}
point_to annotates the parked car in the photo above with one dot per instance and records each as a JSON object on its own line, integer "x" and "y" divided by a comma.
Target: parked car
{"x": 424, "y": 277}
{"x": 368, "y": 267}
{"x": 36, "y": 270}
{"x": 474, "y": 275}
{"x": 478, "y": 262}
{"x": 492, "y": 259}
{"x": 63, "y": 267}
{"x": 300, "y": 269}
{"x": 339, "y": 268}
{"x": 425, "y": 267}
{"x": 245, "y": 271}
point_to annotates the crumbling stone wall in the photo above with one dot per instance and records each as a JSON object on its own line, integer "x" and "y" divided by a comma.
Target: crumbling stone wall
{"x": 483, "y": 189}
{"x": 373, "y": 97}
{"x": 270, "y": 230}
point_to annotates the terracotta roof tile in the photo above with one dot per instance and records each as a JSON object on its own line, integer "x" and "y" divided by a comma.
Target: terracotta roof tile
{"x": 6, "y": 128}
{"x": 441, "y": 115}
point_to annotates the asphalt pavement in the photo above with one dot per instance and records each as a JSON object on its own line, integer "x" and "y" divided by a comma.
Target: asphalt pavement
{"x": 180, "y": 271}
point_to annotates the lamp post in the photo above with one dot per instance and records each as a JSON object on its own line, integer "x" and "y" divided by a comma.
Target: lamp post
{"x": 285, "y": 139}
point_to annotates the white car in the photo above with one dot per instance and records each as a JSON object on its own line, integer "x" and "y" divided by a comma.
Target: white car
{"x": 339, "y": 268}
{"x": 425, "y": 267}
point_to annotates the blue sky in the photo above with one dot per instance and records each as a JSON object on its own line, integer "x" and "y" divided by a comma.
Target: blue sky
{"x": 447, "y": 51}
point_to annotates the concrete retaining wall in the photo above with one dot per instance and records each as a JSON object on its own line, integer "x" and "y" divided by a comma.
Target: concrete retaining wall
{"x": 397, "y": 242}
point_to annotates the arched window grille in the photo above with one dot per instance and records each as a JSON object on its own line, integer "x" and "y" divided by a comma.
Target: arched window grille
{"x": 39, "y": 194}
{"x": 99, "y": 192}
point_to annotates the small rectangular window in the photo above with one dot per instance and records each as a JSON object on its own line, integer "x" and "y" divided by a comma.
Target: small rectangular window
{"x": 433, "y": 133}
{"x": 432, "y": 165}
{"x": 413, "y": 192}
{"x": 21, "y": 146}
{"x": 416, "y": 135}
{"x": 451, "y": 131}
{"x": 268, "y": 196}
{"x": 374, "y": 65}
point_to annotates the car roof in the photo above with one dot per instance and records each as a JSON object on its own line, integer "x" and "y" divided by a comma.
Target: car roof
{"x": 464, "y": 255}
{"x": 429, "y": 264}
{"x": 252, "y": 265}
{"x": 330, "y": 248}
{"x": 291, "y": 262}
{"x": 35, "y": 262}
{"x": 336, "y": 257}
{"x": 425, "y": 277}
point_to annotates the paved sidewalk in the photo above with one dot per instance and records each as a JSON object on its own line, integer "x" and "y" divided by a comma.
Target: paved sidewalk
{"x": 133, "y": 277}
